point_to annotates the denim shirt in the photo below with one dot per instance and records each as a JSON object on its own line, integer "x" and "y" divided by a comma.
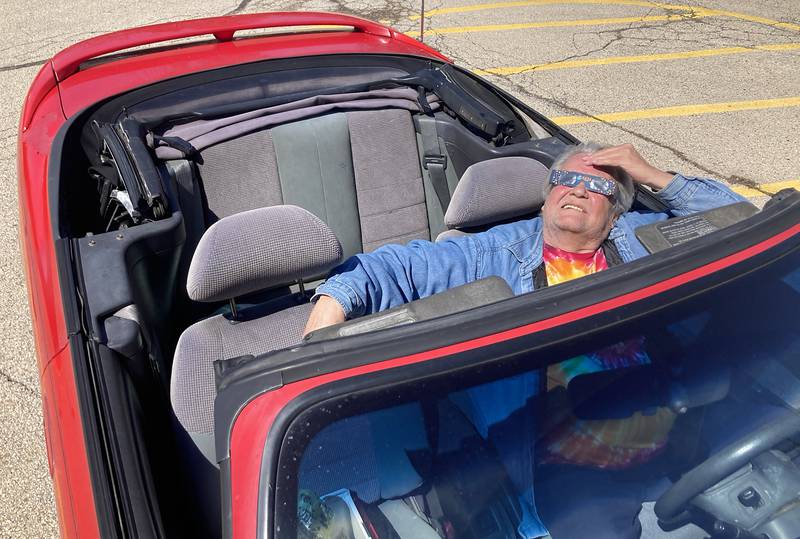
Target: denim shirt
{"x": 396, "y": 274}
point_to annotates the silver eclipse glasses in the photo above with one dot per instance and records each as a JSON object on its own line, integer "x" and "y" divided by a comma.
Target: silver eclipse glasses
{"x": 595, "y": 184}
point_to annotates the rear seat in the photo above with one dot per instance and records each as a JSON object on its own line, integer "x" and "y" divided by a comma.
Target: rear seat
{"x": 358, "y": 171}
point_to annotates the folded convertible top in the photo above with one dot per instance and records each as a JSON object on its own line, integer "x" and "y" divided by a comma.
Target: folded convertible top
{"x": 202, "y": 133}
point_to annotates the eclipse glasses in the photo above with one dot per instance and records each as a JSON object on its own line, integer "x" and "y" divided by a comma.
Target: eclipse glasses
{"x": 596, "y": 184}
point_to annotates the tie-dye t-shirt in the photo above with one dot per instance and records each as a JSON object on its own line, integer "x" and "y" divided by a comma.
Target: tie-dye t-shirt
{"x": 561, "y": 266}
{"x": 610, "y": 443}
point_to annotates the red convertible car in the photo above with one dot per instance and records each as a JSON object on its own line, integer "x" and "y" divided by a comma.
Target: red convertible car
{"x": 179, "y": 202}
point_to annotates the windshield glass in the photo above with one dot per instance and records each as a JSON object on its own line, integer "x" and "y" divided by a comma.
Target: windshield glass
{"x": 616, "y": 417}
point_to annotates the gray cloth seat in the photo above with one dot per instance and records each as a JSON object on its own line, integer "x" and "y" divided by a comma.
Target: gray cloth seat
{"x": 220, "y": 337}
{"x": 493, "y": 191}
{"x": 358, "y": 171}
{"x": 240, "y": 254}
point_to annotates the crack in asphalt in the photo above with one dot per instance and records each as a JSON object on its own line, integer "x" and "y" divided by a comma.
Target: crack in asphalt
{"x": 711, "y": 31}
{"x": 22, "y": 66}
{"x": 25, "y": 387}
{"x": 48, "y": 45}
{"x": 563, "y": 105}
{"x": 394, "y": 11}
{"x": 733, "y": 179}
{"x": 239, "y": 8}
{"x": 621, "y": 34}
{"x": 391, "y": 10}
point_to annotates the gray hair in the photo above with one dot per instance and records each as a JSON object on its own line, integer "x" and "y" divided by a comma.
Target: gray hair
{"x": 627, "y": 189}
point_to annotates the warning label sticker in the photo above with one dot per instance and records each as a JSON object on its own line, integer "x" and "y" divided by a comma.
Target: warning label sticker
{"x": 686, "y": 229}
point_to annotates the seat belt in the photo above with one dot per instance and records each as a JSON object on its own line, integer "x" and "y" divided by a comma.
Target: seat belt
{"x": 434, "y": 159}
{"x": 177, "y": 143}
{"x": 190, "y": 198}
{"x": 610, "y": 251}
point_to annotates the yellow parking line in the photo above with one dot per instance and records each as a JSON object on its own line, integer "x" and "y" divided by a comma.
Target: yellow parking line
{"x": 516, "y": 70}
{"x": 556, "y": 24}
{"x": 753, "y": 18}
{"x": 768, "y": 188}
{"x": 642, "y": 3}
{"x": 682, "y": 110}
{"x": 526, "y": 3}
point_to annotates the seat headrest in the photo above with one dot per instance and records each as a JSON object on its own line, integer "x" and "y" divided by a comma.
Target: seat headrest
{"x": 260, "y": 249}
{"x": 497, "y": 189}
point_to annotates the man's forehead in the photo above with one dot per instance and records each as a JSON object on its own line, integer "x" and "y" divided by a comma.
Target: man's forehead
{"x": 576, "y": 164}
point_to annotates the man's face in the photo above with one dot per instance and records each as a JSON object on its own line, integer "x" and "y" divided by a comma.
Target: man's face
{"x": 577, "y": 210}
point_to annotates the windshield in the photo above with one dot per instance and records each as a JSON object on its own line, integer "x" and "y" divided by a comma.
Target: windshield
{"x": 515, "y": 449}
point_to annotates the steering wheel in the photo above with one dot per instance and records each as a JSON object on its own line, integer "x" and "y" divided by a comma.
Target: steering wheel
{"x": 723, "y": 463}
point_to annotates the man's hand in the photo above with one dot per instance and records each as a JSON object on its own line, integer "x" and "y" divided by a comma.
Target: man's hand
{"x": 326, "y": 312}
{"x": 627, "y": 158}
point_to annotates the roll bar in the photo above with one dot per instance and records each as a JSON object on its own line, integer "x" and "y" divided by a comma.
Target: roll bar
{"x": 68, "y": 61}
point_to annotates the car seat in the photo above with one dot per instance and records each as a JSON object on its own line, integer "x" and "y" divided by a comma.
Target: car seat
{"x": 493, "y": 191}
{"x": 240, "y": 254}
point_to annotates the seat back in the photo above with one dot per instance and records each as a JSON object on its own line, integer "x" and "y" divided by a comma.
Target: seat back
{"x": 493, "y": 191}
{"x": 358, "y": 171}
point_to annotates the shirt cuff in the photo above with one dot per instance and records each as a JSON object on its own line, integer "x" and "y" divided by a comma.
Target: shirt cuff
{"x": 676, "y": 190}
{"x": 343, "y": 294}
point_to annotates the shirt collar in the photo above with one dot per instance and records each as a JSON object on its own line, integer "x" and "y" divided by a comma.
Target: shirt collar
{"x": 529, "y": 250}
{"x": 616, "y": 231}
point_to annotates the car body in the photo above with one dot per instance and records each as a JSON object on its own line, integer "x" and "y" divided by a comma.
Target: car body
{"x": 108, "y": 305}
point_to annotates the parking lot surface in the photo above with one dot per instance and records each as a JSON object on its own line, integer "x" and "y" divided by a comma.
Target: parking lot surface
{"x": 709, "y": 87}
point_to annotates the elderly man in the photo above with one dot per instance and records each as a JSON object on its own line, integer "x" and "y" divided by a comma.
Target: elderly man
{"x": 583, "y": 228}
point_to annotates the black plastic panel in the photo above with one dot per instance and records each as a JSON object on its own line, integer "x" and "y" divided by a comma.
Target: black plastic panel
{"x": 678, "y": 230}
{"x": 458, "y": 299}
{"x": 136, "y": 265}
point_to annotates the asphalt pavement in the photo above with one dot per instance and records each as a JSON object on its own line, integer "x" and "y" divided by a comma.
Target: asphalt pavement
{"x": 708, "y": 87}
